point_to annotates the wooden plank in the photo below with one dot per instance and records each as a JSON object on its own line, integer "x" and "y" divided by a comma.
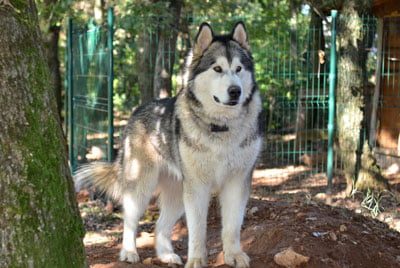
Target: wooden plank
{"x": 375, "y": 98}
{"x": 386, "y": 8}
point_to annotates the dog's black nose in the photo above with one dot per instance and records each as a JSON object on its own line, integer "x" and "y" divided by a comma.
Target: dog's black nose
{"x": 234, "y": 92}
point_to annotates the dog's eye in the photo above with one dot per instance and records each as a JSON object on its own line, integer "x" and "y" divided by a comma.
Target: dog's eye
{"x": 218, "y": 69}
{"x": 238, "y": 69}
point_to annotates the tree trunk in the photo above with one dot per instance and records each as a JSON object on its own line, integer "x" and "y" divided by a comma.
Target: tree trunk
{"x": 155, "y": 55}
{"x": 146, "y": 51}
{"x": 40, "y": 224}
{"x": 162, "y": 85}
{"x": 315, "y": 45}
{"x": 54, "y": 63}
{"x": 145, "y": 62}
{"x": 350, "y": 94}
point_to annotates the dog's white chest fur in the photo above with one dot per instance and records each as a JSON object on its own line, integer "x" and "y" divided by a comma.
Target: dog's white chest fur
{"x": 223, "y": 161}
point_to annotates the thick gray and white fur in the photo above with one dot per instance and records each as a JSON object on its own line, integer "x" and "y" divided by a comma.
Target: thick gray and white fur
{"x": 202, "y": 142}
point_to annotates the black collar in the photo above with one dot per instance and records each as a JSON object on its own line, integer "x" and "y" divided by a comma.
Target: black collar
{"x": 217, "y": 128}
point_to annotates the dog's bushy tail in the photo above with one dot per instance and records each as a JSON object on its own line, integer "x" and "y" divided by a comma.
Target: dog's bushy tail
{"x": 101, "y": 175}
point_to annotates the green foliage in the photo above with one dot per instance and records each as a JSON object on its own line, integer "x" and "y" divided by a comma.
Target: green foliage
{"x": 137, "y": 16}
{"x": 51, "y": 12}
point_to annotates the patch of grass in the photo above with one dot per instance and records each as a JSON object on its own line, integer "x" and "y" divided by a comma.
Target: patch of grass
{"x": 372, "y": 202}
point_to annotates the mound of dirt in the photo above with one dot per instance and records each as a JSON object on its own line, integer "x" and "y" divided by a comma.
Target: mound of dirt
{"x": 329, "y": 236}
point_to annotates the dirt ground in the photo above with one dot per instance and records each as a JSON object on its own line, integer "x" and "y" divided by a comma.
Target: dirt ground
{"x": 289, "y": 211}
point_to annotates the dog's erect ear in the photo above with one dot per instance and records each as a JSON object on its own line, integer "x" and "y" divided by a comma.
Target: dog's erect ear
{"x": 239, "y": 34}
{"x": 203, "y": 39}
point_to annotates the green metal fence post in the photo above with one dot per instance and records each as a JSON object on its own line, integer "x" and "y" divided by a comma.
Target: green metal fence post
{"x": 70, "y": 97}
{"x": 110, "y": 25}
{"x": 332, "y": 87}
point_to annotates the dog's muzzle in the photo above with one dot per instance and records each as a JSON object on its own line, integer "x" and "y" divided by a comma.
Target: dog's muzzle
{"x": 234, "y": 93}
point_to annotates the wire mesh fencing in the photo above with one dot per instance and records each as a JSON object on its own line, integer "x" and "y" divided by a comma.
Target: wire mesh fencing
{"x": 90, "y": 91}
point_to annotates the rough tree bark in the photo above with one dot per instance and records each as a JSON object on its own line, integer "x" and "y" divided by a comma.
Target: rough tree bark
{"x": 39, "y": 224}
{"x": 360, "y": 167}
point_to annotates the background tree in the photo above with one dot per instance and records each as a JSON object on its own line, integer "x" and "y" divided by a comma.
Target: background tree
{"x": 51, "y": 14}
{"x": 359, "y": 164}
{"x": 156, "y": 43}
{"x": 360, "y": 167}
{"x": 40, "y": 224}
{"x": 164, "y": 64}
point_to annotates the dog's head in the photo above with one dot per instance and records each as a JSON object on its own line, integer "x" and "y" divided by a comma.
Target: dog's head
{"x": 221, "y": 72}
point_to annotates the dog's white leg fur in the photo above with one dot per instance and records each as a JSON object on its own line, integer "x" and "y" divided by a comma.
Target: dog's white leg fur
{"x": 233, "y": 200}
{"x": 171, "y": 206}
{"x": 133, "y": 210}
{"x": 135, "y": 201}
{"x": 196, "y": 199}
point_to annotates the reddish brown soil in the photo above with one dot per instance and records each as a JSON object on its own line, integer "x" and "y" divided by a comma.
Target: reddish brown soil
{"x": 282, "y": 213}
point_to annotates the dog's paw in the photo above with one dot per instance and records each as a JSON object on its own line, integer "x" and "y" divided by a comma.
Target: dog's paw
{"x": 195, "y": 263}
{"x": 170, "y": 258}
{"x": 237, "y": 260}
{"x": 128, "y": 256}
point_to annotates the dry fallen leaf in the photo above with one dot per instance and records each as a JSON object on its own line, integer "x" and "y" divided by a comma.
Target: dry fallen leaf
{"x": 289, "y": 258}
{"x": 147, "y": 261}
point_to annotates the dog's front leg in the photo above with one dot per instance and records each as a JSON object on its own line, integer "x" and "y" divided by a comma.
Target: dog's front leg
{"x": 233, "y": 199}
{"x": 196, "y": 196}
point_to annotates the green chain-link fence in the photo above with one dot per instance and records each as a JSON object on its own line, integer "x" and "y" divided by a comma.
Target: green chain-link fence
{"x": 90, "y": 90}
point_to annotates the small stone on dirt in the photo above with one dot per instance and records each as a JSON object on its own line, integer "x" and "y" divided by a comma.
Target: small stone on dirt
{"x": 289, "y": 258}
{"x": 320, "y": 196}
{"x": 332, "y": 236}
{"x": 311, "y": 219}
{"x": 252, "y": 211}
{"x": 319, "y": 234}
{"x": 343, "y": 228}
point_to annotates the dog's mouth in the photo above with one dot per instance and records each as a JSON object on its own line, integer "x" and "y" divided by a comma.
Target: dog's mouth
{"x": 229, "y": 103}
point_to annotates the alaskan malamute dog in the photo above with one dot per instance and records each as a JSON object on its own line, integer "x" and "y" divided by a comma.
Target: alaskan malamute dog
{"x": 202, "y": 142}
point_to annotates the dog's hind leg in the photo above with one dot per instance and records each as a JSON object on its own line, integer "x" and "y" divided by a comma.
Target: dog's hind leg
{"x": 135, "y": 200}
{"x": 171, "y": 206}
